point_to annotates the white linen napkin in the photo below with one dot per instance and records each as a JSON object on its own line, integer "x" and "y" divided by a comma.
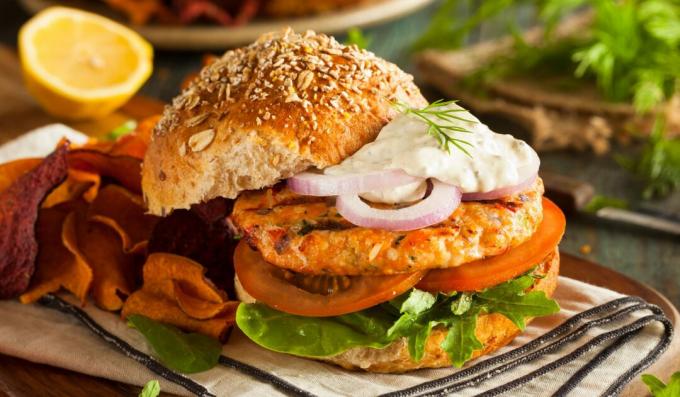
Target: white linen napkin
{"x": 39, "y": 142}
{"x": 47, "y": 336}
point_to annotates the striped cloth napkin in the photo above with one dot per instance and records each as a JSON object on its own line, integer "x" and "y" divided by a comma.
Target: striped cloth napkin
{"x": 595, "y": 345}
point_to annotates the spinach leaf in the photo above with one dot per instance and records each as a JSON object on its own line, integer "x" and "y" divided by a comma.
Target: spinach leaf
{"x": 180, "y": 351}
{"x": 312, "y": 336}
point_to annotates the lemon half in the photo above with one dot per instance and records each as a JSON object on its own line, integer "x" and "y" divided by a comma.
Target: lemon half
{"x": 80, "y": 65}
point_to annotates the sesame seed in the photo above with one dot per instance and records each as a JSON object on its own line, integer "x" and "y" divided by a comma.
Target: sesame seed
{"x": 282, "y": 68}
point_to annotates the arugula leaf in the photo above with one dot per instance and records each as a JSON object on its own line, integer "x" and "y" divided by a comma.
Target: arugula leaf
{"x": 417, "y": 301}
{"x": 151, "y": 389}
{"x": 460, "y": 341}
{"x": 461, "y": 304}
{"x": 123, "y": 129}
{"x": 180, "y": 351}
{"x": 417, "y": 341}
{"x": 510, "y": 300}
{"x": 412, "y": 315}
{"x": 659, "y": 389}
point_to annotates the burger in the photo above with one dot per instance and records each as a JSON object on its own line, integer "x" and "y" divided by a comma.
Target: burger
{"x": 372, "y": 229}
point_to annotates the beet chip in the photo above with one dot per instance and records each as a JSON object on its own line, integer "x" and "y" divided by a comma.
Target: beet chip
{"x": 19, "y": 205}
{"x": 203, "y": 235}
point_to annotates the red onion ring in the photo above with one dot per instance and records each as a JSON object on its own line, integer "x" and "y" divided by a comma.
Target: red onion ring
{"x": 311, "y": 184}
{"x": 436, "y": 207}
{"x": 500, "y": 192}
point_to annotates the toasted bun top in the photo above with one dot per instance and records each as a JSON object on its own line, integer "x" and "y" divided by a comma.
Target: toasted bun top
{"x": 267, "y": 111}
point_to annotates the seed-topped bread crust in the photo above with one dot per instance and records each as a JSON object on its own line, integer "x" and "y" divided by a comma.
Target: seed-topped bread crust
{"x": 267, "y": 111}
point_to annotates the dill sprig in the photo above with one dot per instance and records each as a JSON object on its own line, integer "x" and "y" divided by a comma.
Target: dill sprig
{"x": 441, "y": 122}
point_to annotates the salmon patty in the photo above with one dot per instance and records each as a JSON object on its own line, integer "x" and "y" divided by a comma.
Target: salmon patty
{"x": 306, "y": 234}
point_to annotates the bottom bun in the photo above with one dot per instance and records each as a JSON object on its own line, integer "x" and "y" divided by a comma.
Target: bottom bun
{"x": 493, "y": 331}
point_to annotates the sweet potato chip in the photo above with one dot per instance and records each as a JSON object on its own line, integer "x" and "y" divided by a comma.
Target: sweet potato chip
{"x": 198, "y": 308}
{"x": 77, "y": 184}
{"x": 124, "y": 169}
{"x": 160, "y": 308}
{"x": 19, "y": 205}
{"x": 57, "y": 264}
{"x": 124, "y": 212}
{"x": 175, "y": 291}
{"x": 162, "y": 270}
{"x": 102, "y": 250}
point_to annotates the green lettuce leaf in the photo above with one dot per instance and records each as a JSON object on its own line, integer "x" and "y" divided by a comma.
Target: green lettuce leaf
{"x": 412, "y": 315}
{"x": 312, "y": 336}
{"x": 417, "y": 301}
{"x": 510, "y": 300}
{"x": 461, "y": 342}
{"x": 461, "y": 304}
{"x": 180, "y": 351}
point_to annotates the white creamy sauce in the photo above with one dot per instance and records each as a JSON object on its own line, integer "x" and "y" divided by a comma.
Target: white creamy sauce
{"x": 495, "y": 161}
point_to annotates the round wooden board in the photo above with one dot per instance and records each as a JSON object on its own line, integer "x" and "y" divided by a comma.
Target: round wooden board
{"x": 205, "y": 37}
{"x": 22, "y": 378}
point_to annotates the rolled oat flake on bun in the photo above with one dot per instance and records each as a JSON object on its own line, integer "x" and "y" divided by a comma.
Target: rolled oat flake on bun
{"x": 264, "y": 112}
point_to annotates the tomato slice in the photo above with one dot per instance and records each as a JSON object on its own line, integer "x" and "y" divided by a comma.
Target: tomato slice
{"x": 485, "y": 273}
{"x": 279, "y": 289}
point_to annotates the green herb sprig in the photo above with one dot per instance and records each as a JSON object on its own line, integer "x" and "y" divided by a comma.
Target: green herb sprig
{"x": 151, "y": 389}
{"x": 657, "y": 165}
{"x": 660, "y": 389}
{"x": 441, "y": 120}
{"x": 123, "y": 129}
{"x": 357, "y": 37}
{"x": 631, "y": 50}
